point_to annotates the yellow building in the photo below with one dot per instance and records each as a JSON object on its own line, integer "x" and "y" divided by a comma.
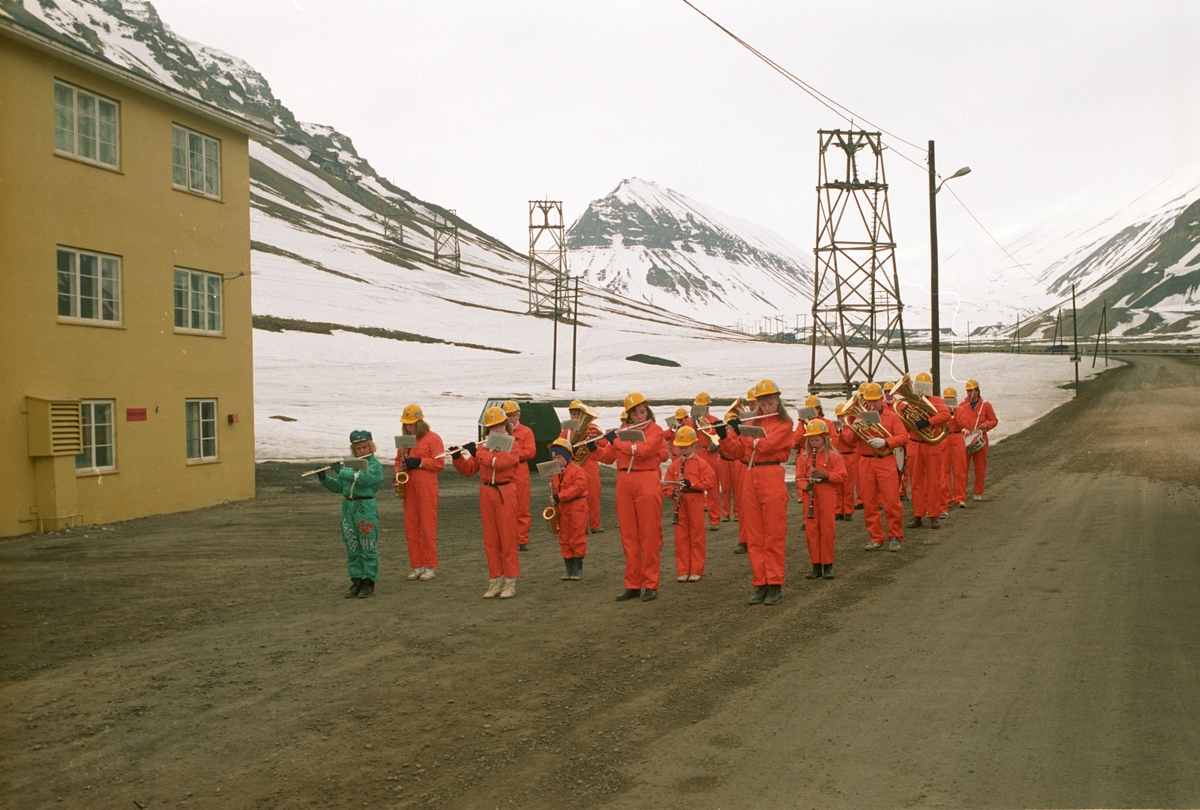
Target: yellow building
{"x": 126, "y": 368}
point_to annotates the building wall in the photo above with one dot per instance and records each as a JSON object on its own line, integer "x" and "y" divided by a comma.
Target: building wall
{"x": 47, "y": 200}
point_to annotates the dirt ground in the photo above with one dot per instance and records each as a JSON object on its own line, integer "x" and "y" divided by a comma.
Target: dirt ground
{"x": 1041, "y": 650}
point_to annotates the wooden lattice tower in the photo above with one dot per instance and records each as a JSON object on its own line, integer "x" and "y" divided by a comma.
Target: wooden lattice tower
{"x": 857, "y": 313}
{"x": 547, "y": 255}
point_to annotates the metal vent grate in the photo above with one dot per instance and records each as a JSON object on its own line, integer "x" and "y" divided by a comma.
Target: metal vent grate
{"x": 66, "y": 429}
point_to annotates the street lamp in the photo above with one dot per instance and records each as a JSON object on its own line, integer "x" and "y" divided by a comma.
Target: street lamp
{"x": 936, "y": 325}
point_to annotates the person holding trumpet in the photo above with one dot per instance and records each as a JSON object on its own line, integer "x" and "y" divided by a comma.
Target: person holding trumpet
{"x": 707, "y": 444}
{"x": 360, "y": 513}
{"x": 639, "y": 497}
{"x": 569, "y": 496}
{"x": 497, "y": 503}
{"x": 686, "y": 482}
{"x": 820, "y": 476}
{"x": 736, "y": 459}
{"x": 416, "y": 483}
{"x": 847, "y": 500}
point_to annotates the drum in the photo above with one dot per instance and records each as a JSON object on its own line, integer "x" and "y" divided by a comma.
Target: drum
{"x": 974, "y": 441}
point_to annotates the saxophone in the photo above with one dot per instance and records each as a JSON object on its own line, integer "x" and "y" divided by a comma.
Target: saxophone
{"x": 550, "y": 513}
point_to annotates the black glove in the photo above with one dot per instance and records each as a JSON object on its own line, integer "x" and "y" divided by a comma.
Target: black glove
{"x": 455, "y": 451}
{"x": 921, "y": 423}
{"x": 335, "y": 467}
{"x": 470, "y": 447}
{"x": 412, "y": 463}
{"x": 611, "y": 436}
{"x": 722, "y": 431}
{"x": 686, "y": 483}
{"x": 592, "y": 446}
{"x": 733, "y": 424}
{"x": 821, "y": 475}
{"x": 321, "y": 475}
{"x": 554, "y": 497}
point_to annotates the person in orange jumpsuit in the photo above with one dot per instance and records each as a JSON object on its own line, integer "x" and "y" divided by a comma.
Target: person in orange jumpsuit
{"x": 737, "y": 463}
{"x": 764, "y": 510}
{"x": 687, "y": 479}
{"x": 590, "y": 466}
{"x": 422, "y": 465}
{"x": 707, "y": 448}
{"x": 846, "y": 501}
{"x": 926, "y": 460}
{"x": 954, "y": 481}
{"x": 890, "y": 403}
{"x": 820, "y": 475}
{"x": 497, "y": 504}
{"x": 526, "y": 447}
{"x": 568, "y": 493}
{"x": 639, "y": 498}
{"x": 976, "y": 414}
{"x": 681, "y": 419}
{"x": 878, "y": 479}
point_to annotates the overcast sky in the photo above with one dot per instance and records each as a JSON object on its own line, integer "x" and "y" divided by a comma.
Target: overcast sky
{"x": 481, "y": 106}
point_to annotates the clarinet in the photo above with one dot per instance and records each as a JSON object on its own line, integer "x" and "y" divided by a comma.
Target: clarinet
{"x": 679, "y": 491}
{"x": 812, "y": 492}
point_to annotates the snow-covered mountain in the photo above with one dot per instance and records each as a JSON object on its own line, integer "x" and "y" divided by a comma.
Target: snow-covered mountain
{"x": 659, "y": 246}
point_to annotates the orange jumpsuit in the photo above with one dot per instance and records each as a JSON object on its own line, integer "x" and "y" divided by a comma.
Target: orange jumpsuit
{"x": 690, "y": 542}
{"x": 639, "y": 503}
{"x": 591, "y": 468}
{"x": 879, "y": 481}
{"x": 526, "y": 447}
{"x": 713, "y": 459}
{"x": 571, "y": 487}
{"x": 819, "y": 530}
{"x": 954, "y": 481}
{"x": 421, "y": 500}
{"x": 850, "y": 459}
{"x": 967, "y": 416}
{"x": 764, "y": 509}
{"x": 927, "y": 464}
{"x": 736, "y": 456}
{"x": 497, "y": 506}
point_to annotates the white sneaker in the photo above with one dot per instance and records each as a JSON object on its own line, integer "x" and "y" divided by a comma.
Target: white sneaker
{"x": 979, "y": 497}
{"x": 427, "y": 574}
{"x": 683, "y": 578}
{"x": 494, "y": 587}
{"x": 962, "y": 504}
{"x": 510, "y": 588}
{"x": 416, "y": 573}
{"x": 694, "y": 578}
{"x": 945, "y": 515}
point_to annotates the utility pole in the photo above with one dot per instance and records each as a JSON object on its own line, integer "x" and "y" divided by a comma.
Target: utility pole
{"x": 574, "y": 333}
{"x": 554, "y": 361}
{"x": 1075, "y": 338}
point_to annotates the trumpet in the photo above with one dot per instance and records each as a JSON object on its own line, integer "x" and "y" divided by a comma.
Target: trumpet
{"x": 550, "y": 514}
{"x": 915, "y": 408}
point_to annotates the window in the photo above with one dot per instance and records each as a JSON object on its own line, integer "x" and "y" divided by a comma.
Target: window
{"x": 197, "y": 300}
{"x": 97, "y": 438}
{"x": 196, "y": 162}
{"x": 201, "y": 429}
{"x": 85, "y": 125}
{"x": 89, "y": 286}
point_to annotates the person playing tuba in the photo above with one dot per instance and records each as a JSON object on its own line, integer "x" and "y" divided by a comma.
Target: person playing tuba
{"x": 878, "y": 478}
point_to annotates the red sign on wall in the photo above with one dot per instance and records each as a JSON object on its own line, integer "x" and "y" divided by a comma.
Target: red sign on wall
{"x": 135, "y": 414}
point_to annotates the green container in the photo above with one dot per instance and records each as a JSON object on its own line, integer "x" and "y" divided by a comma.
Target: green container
{"x": 540, "y": 417}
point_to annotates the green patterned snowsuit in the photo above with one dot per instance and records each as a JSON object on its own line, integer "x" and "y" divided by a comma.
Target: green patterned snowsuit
{"x": 360, "y": 517}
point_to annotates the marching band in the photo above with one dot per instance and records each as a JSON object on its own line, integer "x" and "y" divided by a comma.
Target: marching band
{"x": 885, "y": 440}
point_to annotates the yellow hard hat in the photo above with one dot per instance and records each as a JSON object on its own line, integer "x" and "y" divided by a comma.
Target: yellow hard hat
{"x": 872, "y": 392}
{"x": 816, "y": 427}
{"x": 924, "y": 377}
{"x": 949, "y": 392}
{"x": 632, "y": 400}
{"x": 840, "y": 409}
{"x": 813, "y": 401}
{"x": 624, "y": 416}
{"x": 511, "y": 407}
{"x": 561, "y": 442}
{"x": 575, "y": 405}
{"x": 888, "y": 386}
{"x": 684, "y": 437}
{"x": 765, "y": 388}
{"x": 702, "y": 399}
{"x": 862, "y": 387}
{"x": 681, "y": 413}
{"x": 494, "y": 416}
{"x": 412, "y": 414}
{"x": 972, "y": 385}
{"x": 751, "y": 396}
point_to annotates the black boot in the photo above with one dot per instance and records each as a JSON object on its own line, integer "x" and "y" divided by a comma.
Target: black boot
{"x": 630, "y": 593}
{"x": 774, "y": 594}
{"x": 577, "y": 574}
{"x": 569, "y": 562}
{"x": 760, "y": 595}
{"x": 650, "y": 595}
{"x": 355, "y": 587}
{"x": 828, "y": 571}
{"x": 815, "y": 573}
{"x": 368, "y": 588}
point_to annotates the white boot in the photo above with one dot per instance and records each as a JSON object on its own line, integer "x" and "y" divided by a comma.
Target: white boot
{"x": 494, "y": 587}
{"x": 510, "y": 588}
{"x": 427, "y": 574}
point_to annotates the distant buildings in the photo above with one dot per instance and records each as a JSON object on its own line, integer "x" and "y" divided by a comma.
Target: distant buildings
{"x": 126, "y": 370}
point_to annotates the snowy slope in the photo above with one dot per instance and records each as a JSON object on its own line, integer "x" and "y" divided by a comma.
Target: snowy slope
{"x": 659, "y": 246}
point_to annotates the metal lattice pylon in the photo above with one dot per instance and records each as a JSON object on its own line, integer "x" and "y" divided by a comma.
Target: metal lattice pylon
{"x": 547, "y": 254}
{"x": 857, "y": 313}
{"x": 447, "y": 255}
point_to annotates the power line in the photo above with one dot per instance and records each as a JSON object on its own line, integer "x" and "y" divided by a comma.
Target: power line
{"x": 989, "y": 233}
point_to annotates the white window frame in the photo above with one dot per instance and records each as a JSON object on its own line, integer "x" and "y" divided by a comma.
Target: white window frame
{"x": 71, "y": 284}
{"x": 197, "y": 157}
{"x": 201, "y": 300}
{"x": 195, "y": 419}
{"x": 85, "y": 462}
{"x": 70, "y": 103}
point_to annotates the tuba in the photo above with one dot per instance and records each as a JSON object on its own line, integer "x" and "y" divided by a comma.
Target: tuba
{"x": 917, "y": 407}
{"x": 579, "y": 439}
{"x": 550, "y": 513}
{"x": 854, "y": 409}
